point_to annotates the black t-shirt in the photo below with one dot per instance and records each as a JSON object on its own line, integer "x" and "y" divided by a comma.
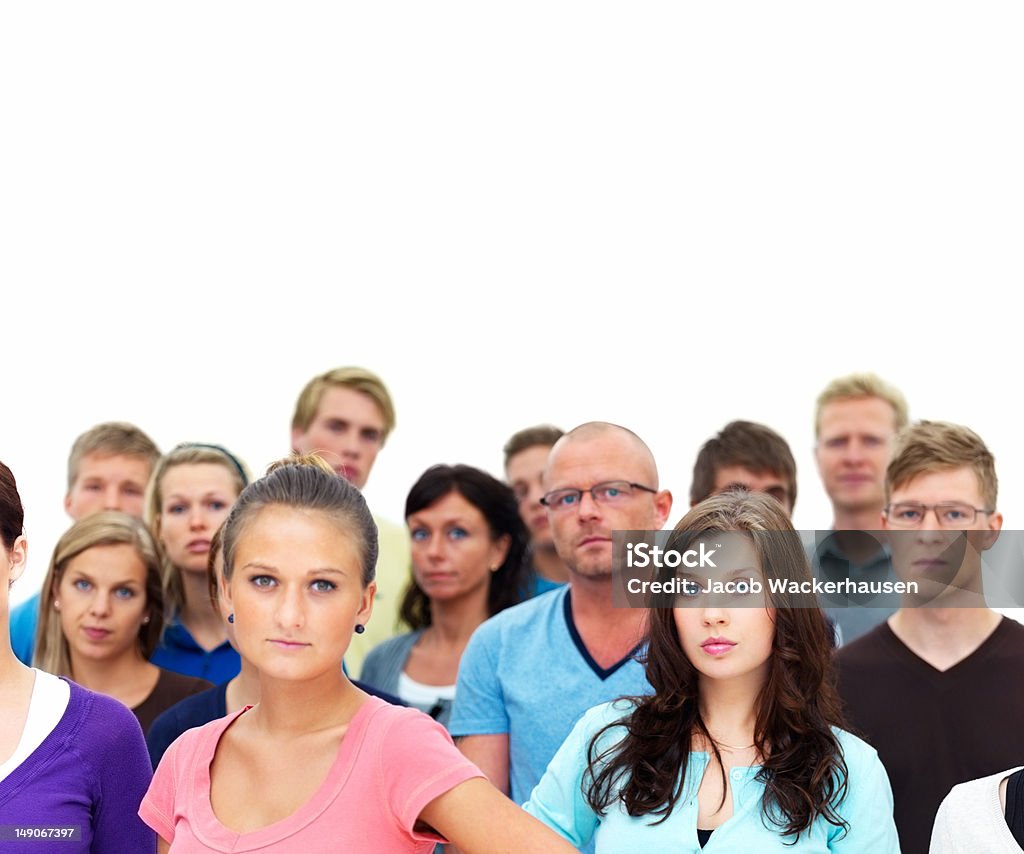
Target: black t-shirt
{"x": 934, "y": 729}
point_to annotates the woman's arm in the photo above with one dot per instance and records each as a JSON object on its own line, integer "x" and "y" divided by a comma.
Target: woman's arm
{"x": 490, "y": 754}
{"x": 162, "y": 846}
{"x": 480, "y": 820}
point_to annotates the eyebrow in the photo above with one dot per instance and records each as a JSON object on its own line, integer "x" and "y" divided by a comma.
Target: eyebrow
{"x": 210, "y": 493}
{"x": 131, "y": 581}
{"x": 317, "y": 571}
{"x": 742, "y": 570}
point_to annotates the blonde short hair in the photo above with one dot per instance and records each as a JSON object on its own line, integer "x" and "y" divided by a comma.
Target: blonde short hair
{"x": 862, "y": 385}
{"x": 357, "y": 379}
{"x": 111, "y": 439}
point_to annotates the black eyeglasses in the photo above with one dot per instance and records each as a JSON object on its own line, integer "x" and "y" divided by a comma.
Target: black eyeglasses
{"x": 951, "y": 514}
{"x": 612, "y": 492}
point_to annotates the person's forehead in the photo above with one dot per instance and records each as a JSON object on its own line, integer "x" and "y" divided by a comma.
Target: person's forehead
{"x": 850, "y": 413}
{"x": 741, "y": 474}
{"x": 942, "y": 485}
{"x": 527, "y": 462}
{"x": 114, "y": 466}
{"x": 342, "y": 401}
{"x": 605, "y": 457}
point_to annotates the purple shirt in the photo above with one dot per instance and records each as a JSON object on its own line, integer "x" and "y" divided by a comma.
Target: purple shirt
{"x": 91, "y": 773}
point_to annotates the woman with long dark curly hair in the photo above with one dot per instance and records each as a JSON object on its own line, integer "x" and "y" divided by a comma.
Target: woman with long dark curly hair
{"x": 739, "y": 748}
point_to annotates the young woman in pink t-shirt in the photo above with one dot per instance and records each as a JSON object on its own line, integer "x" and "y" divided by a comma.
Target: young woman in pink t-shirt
{"x": 318, "y": 765}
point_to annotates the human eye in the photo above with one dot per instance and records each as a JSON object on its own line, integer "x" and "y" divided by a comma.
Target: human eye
{"x": 563, "y": 499}
{"x": 131, "y": 489}
{"x": 176, "y": 509}
{"x": 419, "y": 535}
{"x": 956, "y": 514}
{"x": 612, "y": 491}
{"x": 337, "y": 426}
{"x": 835, "y": 442}
{"x": 458, "y": 533}
{"x": 81, "y": 584}
{"x": 520, "y": 491}
{"x": 218, "y": 504}
{"x": 371, "y": 434}
{"x": 322, "y": 585}
{"x": 744, "y": 587}
{"x": 907, "y": 513}
{"x": 124, "y": 593}
{"x": 688, "y": 589}
{"x": 262, "y": 582}
{"x": 92, "y": 486}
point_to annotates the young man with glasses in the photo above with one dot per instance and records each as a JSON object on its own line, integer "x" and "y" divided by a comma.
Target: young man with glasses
{"x": 937, "y": 689}
{"x": 530, "y": 672}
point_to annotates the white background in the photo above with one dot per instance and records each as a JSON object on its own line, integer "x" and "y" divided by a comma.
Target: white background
{"x": 668, "y": 215}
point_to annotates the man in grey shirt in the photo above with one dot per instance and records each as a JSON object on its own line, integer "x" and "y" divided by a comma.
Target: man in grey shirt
{"x": 856, "y": 420}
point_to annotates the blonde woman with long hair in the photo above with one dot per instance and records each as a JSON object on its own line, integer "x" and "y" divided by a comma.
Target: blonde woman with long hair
{"x": 72, "y": 762}
{"x": 189, "y": 496}
{"x": 101, "y": 615}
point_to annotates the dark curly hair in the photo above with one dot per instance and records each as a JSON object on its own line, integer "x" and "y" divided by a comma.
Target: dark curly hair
{"x": 803, "y": 770}
{"x": 498, "y": 506}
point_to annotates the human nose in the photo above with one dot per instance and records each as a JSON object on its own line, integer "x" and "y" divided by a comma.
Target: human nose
{"x": 197, "y": 518}
{"x": 100, "y": 603}
{"x": 290, "y": 611}
{"x": 587, "y": 506}
{"x": 853, "y": 452}
{"x": 714, "y": 615}
{"x": 348, "y": 445}
{"x": 930, "y": 524}
{"x": 433, "y": 546}
{"x": 112, "y": 497}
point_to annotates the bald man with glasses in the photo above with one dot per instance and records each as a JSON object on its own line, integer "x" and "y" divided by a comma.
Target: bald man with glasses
{"x": 530, "y": 672}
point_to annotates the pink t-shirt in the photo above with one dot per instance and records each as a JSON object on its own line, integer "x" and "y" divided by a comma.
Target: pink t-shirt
{"x": 392, "y": 762}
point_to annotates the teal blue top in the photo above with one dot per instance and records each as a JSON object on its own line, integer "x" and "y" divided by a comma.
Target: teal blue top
{"x": 559, "y": 802}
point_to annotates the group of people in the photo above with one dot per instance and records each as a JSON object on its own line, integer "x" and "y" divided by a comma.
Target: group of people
{"x": 222, "y": 663}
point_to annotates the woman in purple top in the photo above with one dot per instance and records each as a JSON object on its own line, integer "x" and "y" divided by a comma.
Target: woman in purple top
{"x": 73, "y": 764}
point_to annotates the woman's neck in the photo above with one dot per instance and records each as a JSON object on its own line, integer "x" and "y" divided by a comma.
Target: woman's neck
{"x": 198, "y": 615}
{"x": 244, "y": 689}
{"x": 289, "y": 709}
{"x": 120, "y": 676}
{"x": 729, "y": 708}
{"x": 15, "y": 677}
{"x": 452, "y": 621}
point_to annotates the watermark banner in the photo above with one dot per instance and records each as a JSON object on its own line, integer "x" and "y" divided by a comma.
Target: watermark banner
{"x": 810, "y": 569}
